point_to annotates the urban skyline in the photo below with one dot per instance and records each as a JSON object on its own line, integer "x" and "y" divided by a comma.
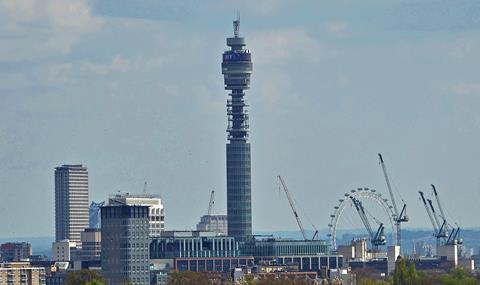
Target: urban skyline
{"x": 323, "y": 140}
{"x": 128, "y": 239}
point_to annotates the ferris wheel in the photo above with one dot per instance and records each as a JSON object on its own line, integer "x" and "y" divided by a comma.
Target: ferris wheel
{"x": 355, "y": 199}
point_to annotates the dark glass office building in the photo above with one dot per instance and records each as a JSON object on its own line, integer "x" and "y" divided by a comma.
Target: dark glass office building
{"x": 125, "y": 244}
{"x": 236, "y": 69}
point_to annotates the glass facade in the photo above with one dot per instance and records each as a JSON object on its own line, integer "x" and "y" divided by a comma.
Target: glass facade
{"x": 181, "y": 247}
{"x": 275, "y": 247}
{"x": 125, "y": 244}
{"x": 239, "y": 199}
{"x": 221, "y": 264}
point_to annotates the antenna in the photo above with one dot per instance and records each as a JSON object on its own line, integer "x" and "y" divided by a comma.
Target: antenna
{"x": 145, "y": 188}
{"x": 236, "y": 25}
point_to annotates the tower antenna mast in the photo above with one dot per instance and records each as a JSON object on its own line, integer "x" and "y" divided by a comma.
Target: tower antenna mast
{"x": 236, "y": 26}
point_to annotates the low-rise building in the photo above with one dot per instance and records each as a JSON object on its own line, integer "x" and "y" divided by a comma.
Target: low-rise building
{"x": 309, "y": 255}
{"x": 15, "y": 251}
{"x": 21, "y": 273}
{"x": 214, "y": 223}
{"x": 91, "y": 244}
{"x": 197, "y": 251}
{"x": 63, "y": 250}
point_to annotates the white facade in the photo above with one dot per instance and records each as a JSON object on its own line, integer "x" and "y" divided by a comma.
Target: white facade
{"x": 71, "y": 202}
{"x": 450, "y": 252}
{"x": 156, "y": 209}
{"x": 393, "y": 252}
{"x": 62, "y": 250}
{"x": 213, "y": 223}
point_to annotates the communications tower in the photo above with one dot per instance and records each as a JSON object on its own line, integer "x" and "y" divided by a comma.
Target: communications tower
{"x": 236, "y": 70}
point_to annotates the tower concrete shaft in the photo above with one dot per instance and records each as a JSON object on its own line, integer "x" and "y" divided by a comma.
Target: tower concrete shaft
{"x": 236, "y": 69}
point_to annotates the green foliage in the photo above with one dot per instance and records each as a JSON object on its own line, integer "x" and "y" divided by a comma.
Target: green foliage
{"x": 187, "y": 278}
{"x": 373, "y": 282}
{"x": 249, "y": 280}
{"x": 95, "y": 282}
{"x": 85, "y": 277}
{"x": 458, "y": 277}
{"x": 410, "y": 276}
{"x": 404, "y": 275}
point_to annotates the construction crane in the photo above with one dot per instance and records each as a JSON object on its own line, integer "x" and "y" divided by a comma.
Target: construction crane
{"x": 448, "y": 228}
{"x": 422, "y": 196}
{"x": 211, "y": 204}
{"x": 295, "y": 213}
{"x": 442, "y": 227}
{"x": 400, "y": 217}
{"x": 439, "y": 229}
{"x": 315, "y": 234}
{"x": 376, "y": 238}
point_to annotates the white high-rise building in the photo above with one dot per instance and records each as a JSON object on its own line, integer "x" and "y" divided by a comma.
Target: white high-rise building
{"x": 71, "y": 202}
{"x": 154, "y": 203}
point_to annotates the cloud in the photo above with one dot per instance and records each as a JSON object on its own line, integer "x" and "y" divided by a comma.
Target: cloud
{"x": 336, "y": 28}
{"x": 274, "y": 87}
{"x": 32, "y": 29}
{"x": 121, "y": 63}
{"x": 441, "y": 15}
{"x": 466, "y": 89}
{"x": 343, "y": 80}
{"x": 461, "y": 48}
{"x": 282, "y": 46}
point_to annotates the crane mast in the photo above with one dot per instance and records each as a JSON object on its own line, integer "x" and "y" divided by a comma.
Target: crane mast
{"x": 376, "y": 238}
{"x": 435, "y": 216}
{"x": 399, "y": 217}
{"x": 435, "y": 228}
{"x": 211, "y": 204}
{"x": 292, "y": 205}
{"x": 448, "y": 228}
{"x": 442, "y": 213}
{"x": 438, "y": 229}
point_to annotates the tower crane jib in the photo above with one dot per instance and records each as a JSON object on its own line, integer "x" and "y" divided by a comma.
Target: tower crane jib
{"x": 292, "y": 205}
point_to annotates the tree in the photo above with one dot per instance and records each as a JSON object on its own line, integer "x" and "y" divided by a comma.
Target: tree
{"x": 458, "y": 277}
{"x": 84, "y": 277}
{"x": 399, "y": 276}
{"x": 412, "y": 275}
{"x": 95, "y": 282}
{"x": 187, "y": 278}
{"x": 368, "y": 281}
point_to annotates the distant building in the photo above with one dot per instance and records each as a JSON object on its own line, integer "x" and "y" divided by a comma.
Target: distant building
{"x": 125, "y": 244}
{"x": 154, "y": 203}
{"x": 214, "y": 223}
{"x": 71, "y": 202}
{"x": 94, "y": 216}
{"x": 15, "y": 251}
{"x": 21, "y": 273}
{"x": 476, "y": 260}
{"x": 197, "y": 251}
{"x": 91, "y": 245}
{"x": 63, "y": 250}
{"x": 308, "y": 255}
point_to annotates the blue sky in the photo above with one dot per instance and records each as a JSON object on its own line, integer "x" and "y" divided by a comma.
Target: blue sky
{"x": 133, "y": 90}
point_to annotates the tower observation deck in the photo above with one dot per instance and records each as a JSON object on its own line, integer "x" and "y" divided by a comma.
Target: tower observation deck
{"x": 236, "y": 69}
